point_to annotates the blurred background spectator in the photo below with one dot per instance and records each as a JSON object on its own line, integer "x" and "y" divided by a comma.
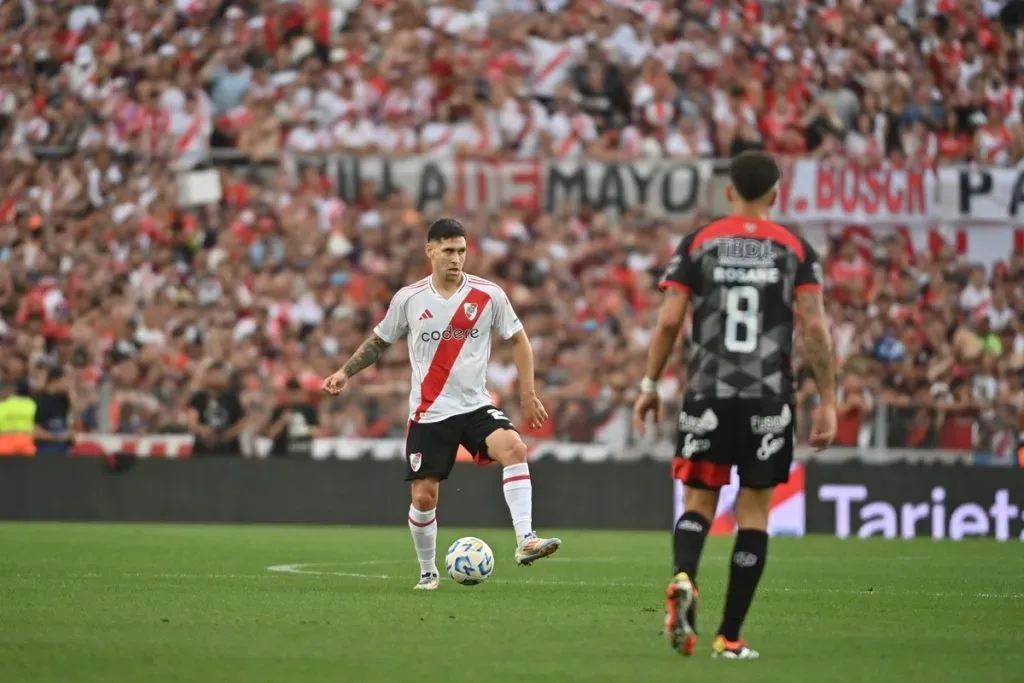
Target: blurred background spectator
{"x": 124, "y": 309}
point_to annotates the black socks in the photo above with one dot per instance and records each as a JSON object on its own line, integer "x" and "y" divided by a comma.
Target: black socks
{"x": 748, "y": 558}
{"x": 688, "y": 543}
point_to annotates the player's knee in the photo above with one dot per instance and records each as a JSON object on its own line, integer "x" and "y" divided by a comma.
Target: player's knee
{"x": 515, "y": 453}
{"x": 424, "y": 500}
{"x": 506, "y": 447}
{"x": 424, "y": 495}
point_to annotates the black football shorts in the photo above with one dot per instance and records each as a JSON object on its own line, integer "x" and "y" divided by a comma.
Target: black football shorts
{"x": 431, "y": 447}
{"x": 753, "y": 435}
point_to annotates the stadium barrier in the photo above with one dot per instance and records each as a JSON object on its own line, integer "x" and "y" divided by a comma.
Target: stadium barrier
{"x": 938, "y": 498}
{"x": 906, "y": 501}
{"x": 361, "y": 492}
{"x": 174, "y": 446}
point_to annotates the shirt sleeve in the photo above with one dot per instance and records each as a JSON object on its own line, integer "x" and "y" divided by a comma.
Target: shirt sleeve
{"x": 809, "y": 276}
{"x": 682, "y": 272}
{"x": 506, "y": 322}
{"x": 395, "y": 324}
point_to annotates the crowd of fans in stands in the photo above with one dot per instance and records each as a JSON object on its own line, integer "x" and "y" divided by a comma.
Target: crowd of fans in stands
{"x": 222, "y": 320}
{"x": 881, "y": 81}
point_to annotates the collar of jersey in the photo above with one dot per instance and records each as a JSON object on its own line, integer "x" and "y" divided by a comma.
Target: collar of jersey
{"x": 442, "y": 297}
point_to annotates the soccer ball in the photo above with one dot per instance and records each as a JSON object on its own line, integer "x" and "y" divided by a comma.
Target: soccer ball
{"x": 469, "y": 561}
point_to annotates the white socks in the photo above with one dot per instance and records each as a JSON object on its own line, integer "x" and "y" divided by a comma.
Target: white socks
{"x": 423, "y": 527}
{"x": 519, "y": 496}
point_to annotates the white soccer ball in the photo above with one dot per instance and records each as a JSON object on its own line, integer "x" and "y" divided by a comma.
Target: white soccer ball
{"x": 469, "y": 561}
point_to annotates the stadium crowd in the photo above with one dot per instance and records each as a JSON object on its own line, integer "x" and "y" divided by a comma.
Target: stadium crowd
{"x": 222, "y": 320}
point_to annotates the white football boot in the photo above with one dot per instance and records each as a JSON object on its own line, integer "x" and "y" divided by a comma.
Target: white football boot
{"x": 429, "y": 581}
{"x": 532, "y": 548}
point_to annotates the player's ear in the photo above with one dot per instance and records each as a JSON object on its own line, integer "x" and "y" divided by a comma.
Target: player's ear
{"x": 772, "y": 196}
{"x": 730, "y": 194}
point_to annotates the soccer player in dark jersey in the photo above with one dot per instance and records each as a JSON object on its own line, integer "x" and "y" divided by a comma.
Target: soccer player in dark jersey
{"x": 745, "y": 279}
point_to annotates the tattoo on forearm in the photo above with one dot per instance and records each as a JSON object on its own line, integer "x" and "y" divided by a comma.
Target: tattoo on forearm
{"x": 819, "y": 355}
{"x": 368, "y": 353}
{"x": 817, "y": 341}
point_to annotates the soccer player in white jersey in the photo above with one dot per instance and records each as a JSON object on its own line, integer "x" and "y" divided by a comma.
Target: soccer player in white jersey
{"x": 447, "y": 320}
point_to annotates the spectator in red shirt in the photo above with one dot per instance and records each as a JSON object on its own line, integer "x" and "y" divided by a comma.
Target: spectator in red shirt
{"x": 954, "y": 145}
{"x": 850, "y": 275}
{"x": 957, "y": 414}
{"x": 854, "y": 410}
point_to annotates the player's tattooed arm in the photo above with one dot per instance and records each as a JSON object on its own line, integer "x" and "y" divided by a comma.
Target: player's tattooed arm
{"x": 368, "y": 353}
{"x": 817, "y": 337}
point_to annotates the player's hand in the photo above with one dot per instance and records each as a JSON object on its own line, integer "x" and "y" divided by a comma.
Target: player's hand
{"x": 823, "y": 429}
{"x": 646, "y": 403}
{"x": 533, "y": 410}
{"x": 334, "y": 384}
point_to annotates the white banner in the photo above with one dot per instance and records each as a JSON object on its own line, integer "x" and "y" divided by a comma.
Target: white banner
{"x": 811, "y": 191}
{"x": 982, "y": 195}
{"x": 667, "y": 188}
{"x": 984, "y": 244}
{"x": 826, "y": 191}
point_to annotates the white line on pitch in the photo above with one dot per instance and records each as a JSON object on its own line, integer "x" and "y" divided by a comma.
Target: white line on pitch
{"x": 310, "y": 569}
{"x": 305, "y": 570}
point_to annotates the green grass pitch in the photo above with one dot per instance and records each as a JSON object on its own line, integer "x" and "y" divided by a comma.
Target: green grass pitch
{"x": 155, "y": 604}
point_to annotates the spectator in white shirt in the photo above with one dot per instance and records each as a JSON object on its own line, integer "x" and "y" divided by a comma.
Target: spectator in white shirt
{"x": 999, "y": 313}
{"x": 976, "y": 292}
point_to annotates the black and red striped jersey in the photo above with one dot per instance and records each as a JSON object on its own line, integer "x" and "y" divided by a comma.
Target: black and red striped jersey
{"x": 741, "y": 274}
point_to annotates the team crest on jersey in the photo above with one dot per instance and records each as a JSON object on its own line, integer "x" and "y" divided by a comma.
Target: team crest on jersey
{"x": 415, "y": 460}
{"x": 470, "y": 310}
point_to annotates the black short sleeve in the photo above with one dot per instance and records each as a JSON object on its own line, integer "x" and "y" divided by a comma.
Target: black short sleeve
{"x": 682, "y": 272}
{"x": 809, "y": 275}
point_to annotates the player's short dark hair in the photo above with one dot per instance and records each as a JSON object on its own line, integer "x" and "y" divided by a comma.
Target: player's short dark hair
{"x": 445, "y": 228}
{"x": 754, "y": 174}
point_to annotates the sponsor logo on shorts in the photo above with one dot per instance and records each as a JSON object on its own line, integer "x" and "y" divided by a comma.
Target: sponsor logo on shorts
{"x": 707, "y": 422}
{"x": 771, "y": 424}
{"x": 770, "y": 445}
{"x": 692, "y": 446}
{"x": 415, "y": 460}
